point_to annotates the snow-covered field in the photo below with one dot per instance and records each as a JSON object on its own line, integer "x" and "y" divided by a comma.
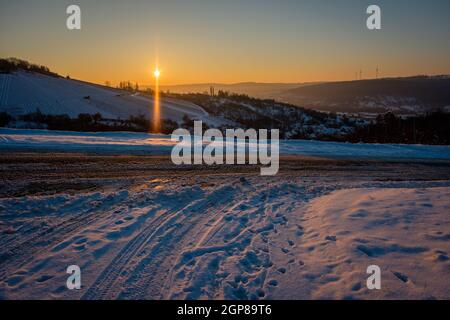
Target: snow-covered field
{"x": 142, "y": 143}
{"x": 403, "y": 231}
{"x": 141, "y": 228}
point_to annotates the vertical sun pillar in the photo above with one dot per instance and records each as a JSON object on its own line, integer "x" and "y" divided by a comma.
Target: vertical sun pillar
{"x": 156, "y": 126}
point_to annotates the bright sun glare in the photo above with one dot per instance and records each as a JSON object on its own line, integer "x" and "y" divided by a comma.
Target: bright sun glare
{"x": 156, "y": 73}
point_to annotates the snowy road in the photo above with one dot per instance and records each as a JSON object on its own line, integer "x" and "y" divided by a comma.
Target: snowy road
{"x": 141, "y": 228}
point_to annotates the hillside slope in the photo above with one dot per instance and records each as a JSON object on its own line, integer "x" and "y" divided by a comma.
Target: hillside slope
{"x": 23, "y": 92}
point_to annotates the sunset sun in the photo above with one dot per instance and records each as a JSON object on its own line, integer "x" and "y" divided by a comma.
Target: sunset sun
{"x": 156, "y": 73}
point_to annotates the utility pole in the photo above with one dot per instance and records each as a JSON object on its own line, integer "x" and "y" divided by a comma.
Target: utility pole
{"x": 376, "y": 74}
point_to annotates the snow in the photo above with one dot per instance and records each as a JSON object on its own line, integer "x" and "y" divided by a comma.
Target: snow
{"x": 149, "y": 230}
{"x": 117, "y": 142}
{"x": 25, "y": 92}
{"x": 222, "y": 236}
{"x": 141, "y": 228}
{"x": 364, "y": 150}
{"x": 406, "y": 232}
{"x": 143, "y": 143}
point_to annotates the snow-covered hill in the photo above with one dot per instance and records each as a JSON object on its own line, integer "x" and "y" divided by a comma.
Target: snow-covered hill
{"x": 24, "y": 92}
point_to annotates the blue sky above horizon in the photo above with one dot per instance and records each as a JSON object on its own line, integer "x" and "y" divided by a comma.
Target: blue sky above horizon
{"x": 195, "y": 41}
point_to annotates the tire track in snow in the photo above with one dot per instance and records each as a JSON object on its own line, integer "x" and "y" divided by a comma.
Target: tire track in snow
{"x": 105, "y": 286}
{"x": 150, "y": 275}
{"x": 21, "y": 254}
{"x": 205, "y": 233}
{"x": 206, "y": 281}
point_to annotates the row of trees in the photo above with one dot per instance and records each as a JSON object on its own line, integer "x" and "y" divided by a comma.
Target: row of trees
{"x": 5, "y": 119}
{"x": 433, "y": 128}
{"x": 12, "y": 64}
{"x": 128, "y": 86}
{"x": 387, "y": 128}
{"x": 89, "y": 122}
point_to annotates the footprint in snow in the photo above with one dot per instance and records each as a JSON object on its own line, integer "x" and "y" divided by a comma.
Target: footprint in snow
{"x": 282, "y": 270}
{"x": 44, "y": 278}
{"x": 402, "y": 277}
{"x": 273, "y": 283}
{"x": 441, "y": 256}
{"x": 357, "y": 286}
{"x": 15, "y": 280}
{"x": 260, "y": 293}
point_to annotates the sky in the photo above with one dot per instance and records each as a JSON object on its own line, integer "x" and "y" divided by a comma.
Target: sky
{"x": 228, "y": 41}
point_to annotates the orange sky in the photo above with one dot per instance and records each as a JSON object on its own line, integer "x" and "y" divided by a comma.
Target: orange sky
{"x": 228, "y": 41}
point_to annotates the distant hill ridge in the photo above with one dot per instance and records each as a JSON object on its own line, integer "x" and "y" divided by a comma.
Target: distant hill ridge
{"x": 419, "y": 94}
